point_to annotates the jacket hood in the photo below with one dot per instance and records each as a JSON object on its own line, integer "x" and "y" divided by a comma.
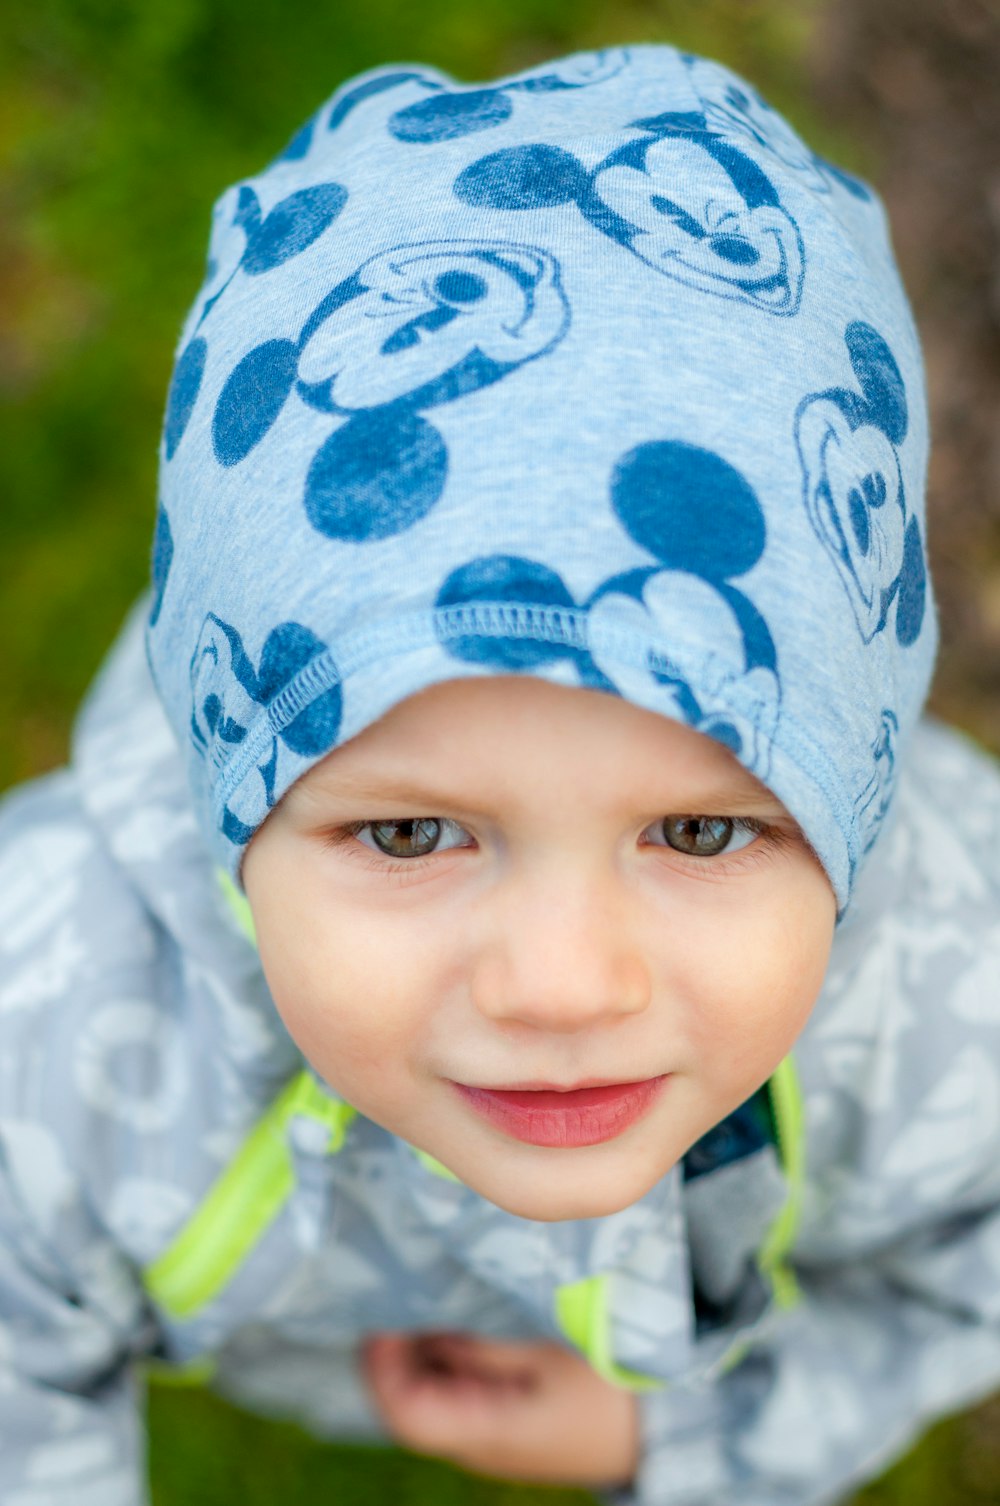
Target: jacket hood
{"x": 595, "y": 373}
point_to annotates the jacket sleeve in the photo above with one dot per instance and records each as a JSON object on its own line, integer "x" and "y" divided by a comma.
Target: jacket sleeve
{"x": 72, "y": 1310}
{"x": 70, "y": 1430}
{"x": 844, "y": 1383}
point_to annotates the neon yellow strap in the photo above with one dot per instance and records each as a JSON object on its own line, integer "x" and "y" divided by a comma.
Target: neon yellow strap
{"x": 789, "y": 1121}
{"x": 437, "y": 1167}
{"x": 238, "y": 904}
{"x": 582, "y": 1314}
{"x": 242, "y": 1202}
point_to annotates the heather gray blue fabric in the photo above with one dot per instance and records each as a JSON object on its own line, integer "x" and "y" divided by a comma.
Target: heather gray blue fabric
{"x": 466, "y": 391}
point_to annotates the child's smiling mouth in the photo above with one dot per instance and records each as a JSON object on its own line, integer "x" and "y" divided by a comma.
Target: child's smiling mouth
{"x": 555, "y": 1117}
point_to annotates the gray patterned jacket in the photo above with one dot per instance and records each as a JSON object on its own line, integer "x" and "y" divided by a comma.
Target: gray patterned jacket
{"x": 139, "y": 1047}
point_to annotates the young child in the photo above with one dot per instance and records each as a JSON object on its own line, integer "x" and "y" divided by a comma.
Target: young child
{"x": 518, "y": 757}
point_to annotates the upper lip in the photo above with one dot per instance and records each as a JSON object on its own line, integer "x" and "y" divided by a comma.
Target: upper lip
{"x": 556, "y": 1087}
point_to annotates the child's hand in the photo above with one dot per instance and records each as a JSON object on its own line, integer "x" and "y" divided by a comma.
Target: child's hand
{"x": 524, "y": 1411}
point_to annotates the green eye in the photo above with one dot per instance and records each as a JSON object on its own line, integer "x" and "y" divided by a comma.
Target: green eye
{"x": 406, "y": 838}
{"x": 707, "y": 836}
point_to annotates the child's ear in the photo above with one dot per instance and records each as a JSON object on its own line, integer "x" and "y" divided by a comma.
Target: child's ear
{"x": 879, "y": 378}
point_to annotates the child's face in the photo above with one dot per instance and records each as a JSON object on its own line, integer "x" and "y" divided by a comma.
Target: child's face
{"x": 550, "y": 934}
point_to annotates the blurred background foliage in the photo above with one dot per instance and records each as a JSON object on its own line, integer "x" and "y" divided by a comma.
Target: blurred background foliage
{"x": 121, "y": 122}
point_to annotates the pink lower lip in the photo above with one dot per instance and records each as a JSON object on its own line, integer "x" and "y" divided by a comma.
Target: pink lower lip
{"x": 587, "y": 1116}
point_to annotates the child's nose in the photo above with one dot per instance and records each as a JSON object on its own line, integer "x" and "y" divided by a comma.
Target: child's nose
{"x": 561, "y": 957}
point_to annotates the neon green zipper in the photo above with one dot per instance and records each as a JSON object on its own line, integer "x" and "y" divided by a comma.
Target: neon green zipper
{"x": 242, "y": 1202}
{"x": 789, "y": 1124}
{"x": 583, "y": 1314}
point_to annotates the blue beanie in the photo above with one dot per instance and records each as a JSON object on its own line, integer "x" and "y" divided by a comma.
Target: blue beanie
{"x": 596, "y": 373}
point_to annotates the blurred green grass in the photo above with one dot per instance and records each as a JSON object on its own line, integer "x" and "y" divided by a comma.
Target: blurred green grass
{"x": 204, "y": 1452}
{"x": 119, "y": 125}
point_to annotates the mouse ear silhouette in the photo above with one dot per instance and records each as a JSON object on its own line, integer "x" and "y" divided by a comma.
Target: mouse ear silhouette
{"x": 445, "y": 117}
{"x": 523, "y": 177}
{"x": 288, "y": 648}
{"x": 300, "y": 143}
{"x": 163, "y": 554}
{"x": 912, "y": 596}
{"x": 879, "y": 379}
{"x": 185, "y": 384}
{"x": 253, "y": 396}
{"x": 496, "y": 579}
{"x": 690, "y": 508}
{"x": 376, "y": 476}
{"x": 370, "y": 87}
{"x": 847, "y": 180}
{"x": 292, "y": 225}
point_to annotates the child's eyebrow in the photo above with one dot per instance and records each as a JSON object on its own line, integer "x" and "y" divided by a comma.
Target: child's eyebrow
{"x": 360, "y": 787}
{"x": 730, "y": 797}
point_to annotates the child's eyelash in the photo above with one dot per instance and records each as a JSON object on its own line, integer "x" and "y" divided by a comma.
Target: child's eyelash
{"x": 773, "y": 840}
{"x": 340, "y": 838}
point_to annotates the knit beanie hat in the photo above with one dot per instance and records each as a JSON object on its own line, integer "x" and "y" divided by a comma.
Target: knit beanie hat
{"x": 595, "y": 373}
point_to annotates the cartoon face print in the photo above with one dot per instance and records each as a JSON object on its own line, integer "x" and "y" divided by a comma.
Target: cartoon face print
{"x": 422, "y": 311}
{"x": 411, "y": 328}
{"x": 667, "y": 603}
{"x": 721, "y": 230}
{"x": 517, "y": 614}
{"x": 227, "y": 690}
{"x": 848, "y": 443}
{"x": 451, "y": 113}
{"x": 732, "y": 106}
{"x": 871, "y": 805}
{"x": 289, "y": 228}
{"x": 688, "y": 203}
{"x": 701, "y": 520}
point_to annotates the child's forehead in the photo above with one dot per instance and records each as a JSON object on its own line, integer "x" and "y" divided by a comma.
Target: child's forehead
{"x": 495, "y": 735}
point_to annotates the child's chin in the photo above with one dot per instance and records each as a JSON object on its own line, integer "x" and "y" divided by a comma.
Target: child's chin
{"x": 552, "y": 1199}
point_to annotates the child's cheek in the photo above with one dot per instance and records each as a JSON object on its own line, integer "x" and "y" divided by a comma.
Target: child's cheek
{"x": 338, "y": 984}
{"x": 751, "y": 993}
